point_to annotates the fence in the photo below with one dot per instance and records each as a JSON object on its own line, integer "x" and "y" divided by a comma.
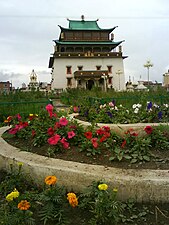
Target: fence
{"x": 23, "y": 108}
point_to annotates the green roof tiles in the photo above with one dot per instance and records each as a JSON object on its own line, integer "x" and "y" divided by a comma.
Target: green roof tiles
{"x": 87, "y": 42}
{"x": 83, "y": 25}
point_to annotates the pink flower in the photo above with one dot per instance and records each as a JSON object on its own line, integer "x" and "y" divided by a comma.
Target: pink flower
{"x": 54, "y": 140}
{"x": 50, "y": 131}
{"x": 111, "y": 104}
{"x": 49, "y": 107}
{"x": 75, "y": 109}
{"x": 65, "y": 143}
{"x": 94, "y": 142}
{"x": 13, "y": 131}
{"x": 63, "y": 121}
{"x": 71, "y": 134}
{"x": 19, "y": 116}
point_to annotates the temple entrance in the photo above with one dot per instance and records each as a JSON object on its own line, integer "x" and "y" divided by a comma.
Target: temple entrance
{"x": 89, "y": 84}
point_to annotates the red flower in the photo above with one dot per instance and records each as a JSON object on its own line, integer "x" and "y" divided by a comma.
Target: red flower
{"x": 88, "y": 134}
{"x": 63, "y": 121}
{"x": 123, "y": 144}
{"x": 100, "y": 131}
{"x": 71, "y": 134}
{"x": 94, "y": 142}
{"x": 148, "y": 129}
{"x": 73, "y": 127}
{"x": 33, "y": 133}
{"x": 57, "y": 125}
{"x": 106, "y": 128}
{"x": 54, "y": 140}
{"x": 50, "y": 131}
{"x": 134, "y": 134}
{"x": 65, "y": 143}
{"x": 104, "y": 138}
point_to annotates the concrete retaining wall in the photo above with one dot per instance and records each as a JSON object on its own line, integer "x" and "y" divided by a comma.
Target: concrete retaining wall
{"x": 142, "y": 184}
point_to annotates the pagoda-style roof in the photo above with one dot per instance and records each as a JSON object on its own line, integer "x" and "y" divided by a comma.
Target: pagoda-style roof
{"x": 84, "y": 25}
{"x": 112, "y": 43}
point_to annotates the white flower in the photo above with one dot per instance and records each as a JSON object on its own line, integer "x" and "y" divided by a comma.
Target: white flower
{"x": 116, "y": 108}
{"x": 127, "y": 111}
{"x": 166, "y": 105}
{"x": 104, "y": 105}
{"x": 139, "y": 105}
{"x": 101, "y": 106}
{"x": 121, "y": 105}
{"x": 155, "y": 105}
{"x": 136, "y": 110}
{"x": 134, "y": 106}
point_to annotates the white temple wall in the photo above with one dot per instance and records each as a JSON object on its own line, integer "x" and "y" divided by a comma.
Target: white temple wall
{"x": 59, "y": 75}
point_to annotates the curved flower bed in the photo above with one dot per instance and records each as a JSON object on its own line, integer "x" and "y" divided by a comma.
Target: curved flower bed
{"x": 62, "y": 133}
{"x": 111, "y": 113}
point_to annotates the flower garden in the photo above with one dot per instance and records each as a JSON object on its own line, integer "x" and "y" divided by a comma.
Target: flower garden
{"x": 60, "y": 133}
{"x": 23, "y": 202}
{"x": 54, "y": 133}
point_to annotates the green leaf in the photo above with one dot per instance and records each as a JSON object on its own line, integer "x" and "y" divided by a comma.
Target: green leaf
{"x": 147, "y": 158}
{"x": 127, "y": 157}
{"x": 120, "y": 157}
{"x": 112, "y": 158}
{"x": 133, "y": 161}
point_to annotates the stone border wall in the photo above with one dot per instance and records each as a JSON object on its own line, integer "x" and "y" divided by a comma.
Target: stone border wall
{"x": 142, "y": 184}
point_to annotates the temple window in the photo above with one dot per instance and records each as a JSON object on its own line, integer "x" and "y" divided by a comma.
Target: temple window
{"x": 80, "y": 68}
{"x": 98, "y": 67}
{"x": 68, "y": 69}
{"x": 109, "y": 69}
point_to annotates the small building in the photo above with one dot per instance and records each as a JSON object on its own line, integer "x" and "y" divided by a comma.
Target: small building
{"x": 5, "y": 87}
{"x": 85, "y": 56}
{"x": 166, "y": 80}
{"x": 33, "y": 84}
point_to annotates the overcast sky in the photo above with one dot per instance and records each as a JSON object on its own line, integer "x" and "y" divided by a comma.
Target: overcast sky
{"x": 27, "y": 28}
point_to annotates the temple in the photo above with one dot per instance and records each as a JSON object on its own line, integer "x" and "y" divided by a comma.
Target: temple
{"x": 86, "y": 56}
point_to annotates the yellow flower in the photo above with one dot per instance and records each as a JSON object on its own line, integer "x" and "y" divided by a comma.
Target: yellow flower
{"x": 30, "y": 114}
{"x": 102, "y": 187}
{"x": 73, "y": 200}
{"x": 15, "y": 193}
{"x": 12, "y": 195}
{"x": 20, "y": 164}
{"x": 115, "y": 190}
{"x": 50, "y": 180}
{"x": 24, "y": 205}
{"x": 9, "y": 197}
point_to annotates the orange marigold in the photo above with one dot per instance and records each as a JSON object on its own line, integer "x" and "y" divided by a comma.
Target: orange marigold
{"x": 73, "y": 201}
{"x": 50, "y": 180}
{"x": 24, "y": 205}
